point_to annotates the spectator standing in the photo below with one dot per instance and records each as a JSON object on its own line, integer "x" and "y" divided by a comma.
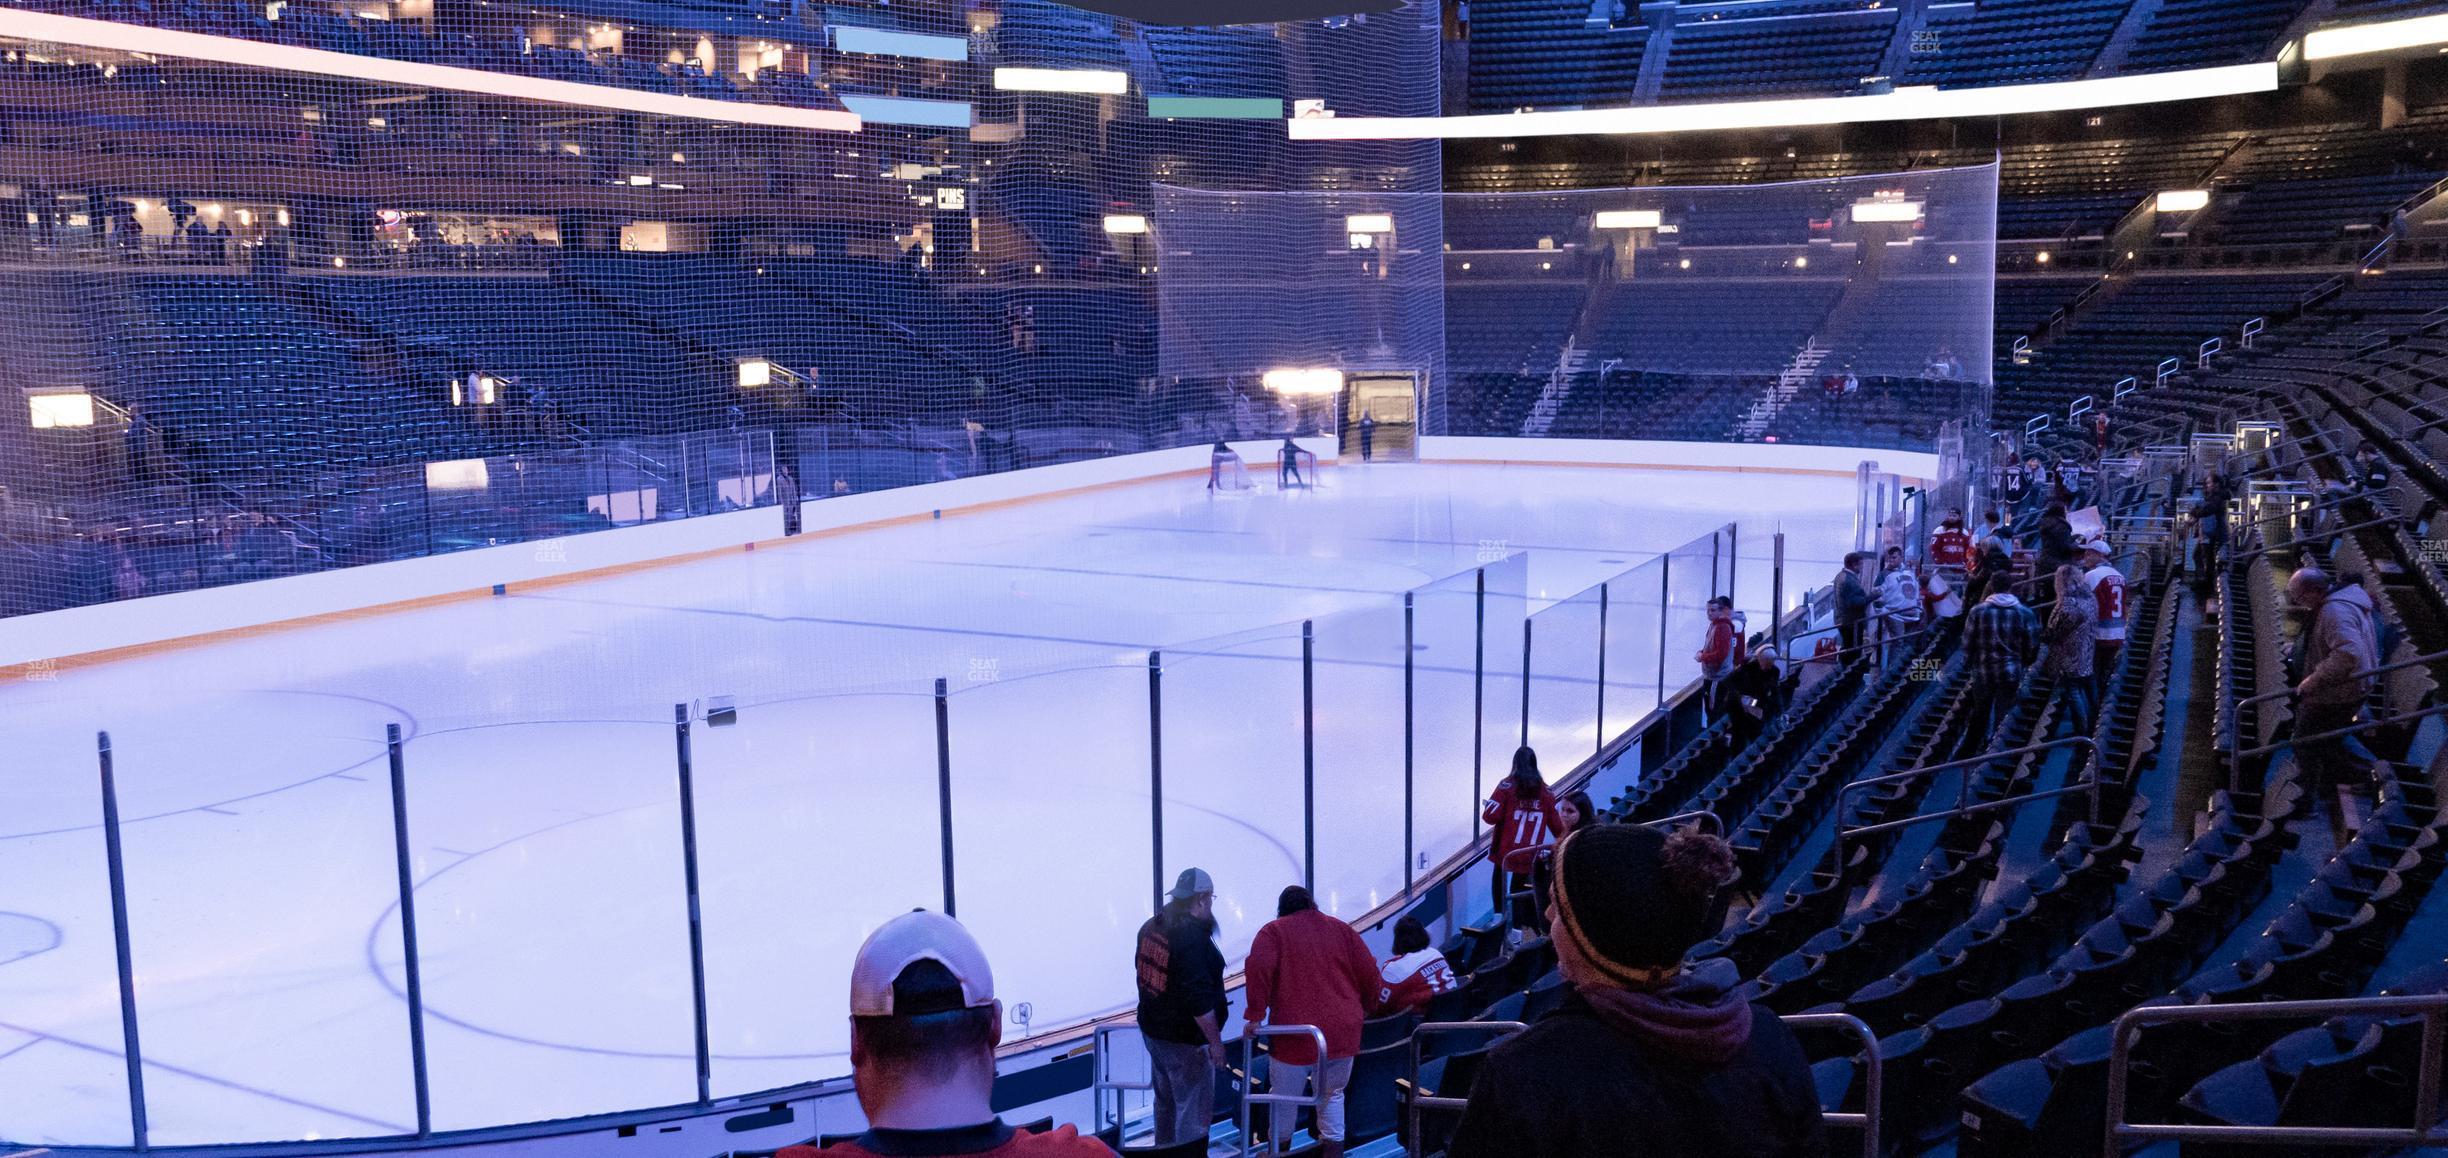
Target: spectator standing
{"x": 2001, "y": 639}
{"x": 1648, "y": 1054}
{"x": 1181, "y": 1007}
{"x": 1899, "y": 604}
{"x": 2072, "y": 635}
{"x": 2108, "y": 591}
{"x": 924, "y": 1024}
{"x": 2340, "y": 647}
{"x": 1416, "y": 971}
{"x": 1751, "y": 697}
{"x": 1721, "y": 649}
{"x": 1853, "y": 600}
{"x": 2052, "y": 541}
{"x": 1992, "y": 529}
{"x": 2014, "y": 485}
{"x": 1944, "y": 606}
{"x": 1951, "y": 545}
{"x": 1523, "y": 813}
{"x": 1309, "y": 968}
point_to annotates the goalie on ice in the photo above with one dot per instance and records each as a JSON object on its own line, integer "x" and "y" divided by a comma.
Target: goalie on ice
{"x": 1226, "y": 471}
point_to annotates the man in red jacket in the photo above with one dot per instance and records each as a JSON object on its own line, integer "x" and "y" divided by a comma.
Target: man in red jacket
{"x": 1307, "y": 968}
{"x": 924, "y": 1024}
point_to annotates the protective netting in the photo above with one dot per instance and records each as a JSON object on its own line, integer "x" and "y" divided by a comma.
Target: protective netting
{"x": 1853, "y": 311}
{"x": 273, "y": 320}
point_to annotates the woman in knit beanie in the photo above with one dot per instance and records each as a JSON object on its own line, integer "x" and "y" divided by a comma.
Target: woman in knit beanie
{"x": 1650, "y": 1054}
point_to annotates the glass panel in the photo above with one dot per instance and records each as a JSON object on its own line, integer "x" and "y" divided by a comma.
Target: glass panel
{"x": 1632, "y": 644}
{"x": 1691, "y": 580}
{"x": 1444, "y": 677}
{"x": 545, "y": 902}
{"x": 1507, "y": 607}
{"x": 63, "y": 1079}
{"x": 1232, "y": 760}
{"x": 800, "y": 795}
{"x": 1564, "y": 682}
{"x": 1050, "y": 828}
{"x": 1359, "y": 706}
{"x": 257, "y": 859}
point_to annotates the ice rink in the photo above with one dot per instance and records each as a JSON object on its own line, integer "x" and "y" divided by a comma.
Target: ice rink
{"x": 540, "y": 762}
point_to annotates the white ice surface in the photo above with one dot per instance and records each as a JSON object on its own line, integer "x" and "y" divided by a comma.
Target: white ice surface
{"x": 540, "y": 762}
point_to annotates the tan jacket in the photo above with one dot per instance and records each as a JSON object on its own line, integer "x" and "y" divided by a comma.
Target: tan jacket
{"x": 2344, "y": 641}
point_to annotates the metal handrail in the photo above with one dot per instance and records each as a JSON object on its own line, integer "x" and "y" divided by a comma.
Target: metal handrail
{"x": 2298, "y": 544}
{"x": 1708, "y": 820}
{"x": 1250, "y": 1095}
{"x": 2122, "y": 1034}
{"x": 1421, "y": 1102}
{"x": 1101, "y": 1077}
{"x": 1963, "y": 792}
{"x": 2366, "y": 673}
{"x": 1874, "y": 1067}
{"x": 1874, "y": 645}
{"x": 2275, "y": 466}
{"x": 2349, "y": 730}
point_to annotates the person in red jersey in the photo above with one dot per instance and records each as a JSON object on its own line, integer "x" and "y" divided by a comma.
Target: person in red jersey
{"x": 1416, "y": 971}
{"x": 924, "y": 1024}
{"x": 1523, "y": 813}
{"x": 1951, "y": 546}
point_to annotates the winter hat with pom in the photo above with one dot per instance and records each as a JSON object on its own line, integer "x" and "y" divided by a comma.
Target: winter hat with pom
{"x": 1633, "y": 900}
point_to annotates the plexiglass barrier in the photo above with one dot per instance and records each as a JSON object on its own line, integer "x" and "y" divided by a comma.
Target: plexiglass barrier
{"x": 372, "y": 926}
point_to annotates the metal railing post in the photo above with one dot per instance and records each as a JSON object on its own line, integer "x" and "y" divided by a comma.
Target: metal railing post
{"x": 1874, "y": 1067}
{"x": 1419, "y": 1035}
{"x": 2424, "y": 1131}
{"x": 1776, "y": 593}
{"x": 943, "y": 788}
{"x": 1308, "y": 758}
{"x": 696, "y": 923}
{"x": 1156, "y": 860}
{"x": 1479, "y": 705}
{"x": 1410, "y": 715}
{"x": 411, "y": 965}
{"x": 1602, "y": 658}
{"x": 116, "y": 861}
{"x": 1251, "y": 1097}
{"x": 1527, "y": 621}
{"x": 1665, "y": 612}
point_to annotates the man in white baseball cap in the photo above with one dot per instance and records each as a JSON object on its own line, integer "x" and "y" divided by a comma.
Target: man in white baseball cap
{"x": 924, "y": 1024}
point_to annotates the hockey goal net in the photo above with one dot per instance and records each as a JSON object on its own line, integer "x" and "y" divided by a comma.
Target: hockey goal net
{"x": 1295, "y": 468}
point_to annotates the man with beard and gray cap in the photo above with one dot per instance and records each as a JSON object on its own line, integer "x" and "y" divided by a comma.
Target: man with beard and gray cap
{"x": 1182, "y": 1007}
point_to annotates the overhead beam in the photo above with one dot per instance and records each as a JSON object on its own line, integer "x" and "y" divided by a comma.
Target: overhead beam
{"x": 79, "y": 32}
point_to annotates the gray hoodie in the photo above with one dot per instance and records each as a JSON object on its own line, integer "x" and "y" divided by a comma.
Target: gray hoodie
{"x": 2344, "y": 641}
